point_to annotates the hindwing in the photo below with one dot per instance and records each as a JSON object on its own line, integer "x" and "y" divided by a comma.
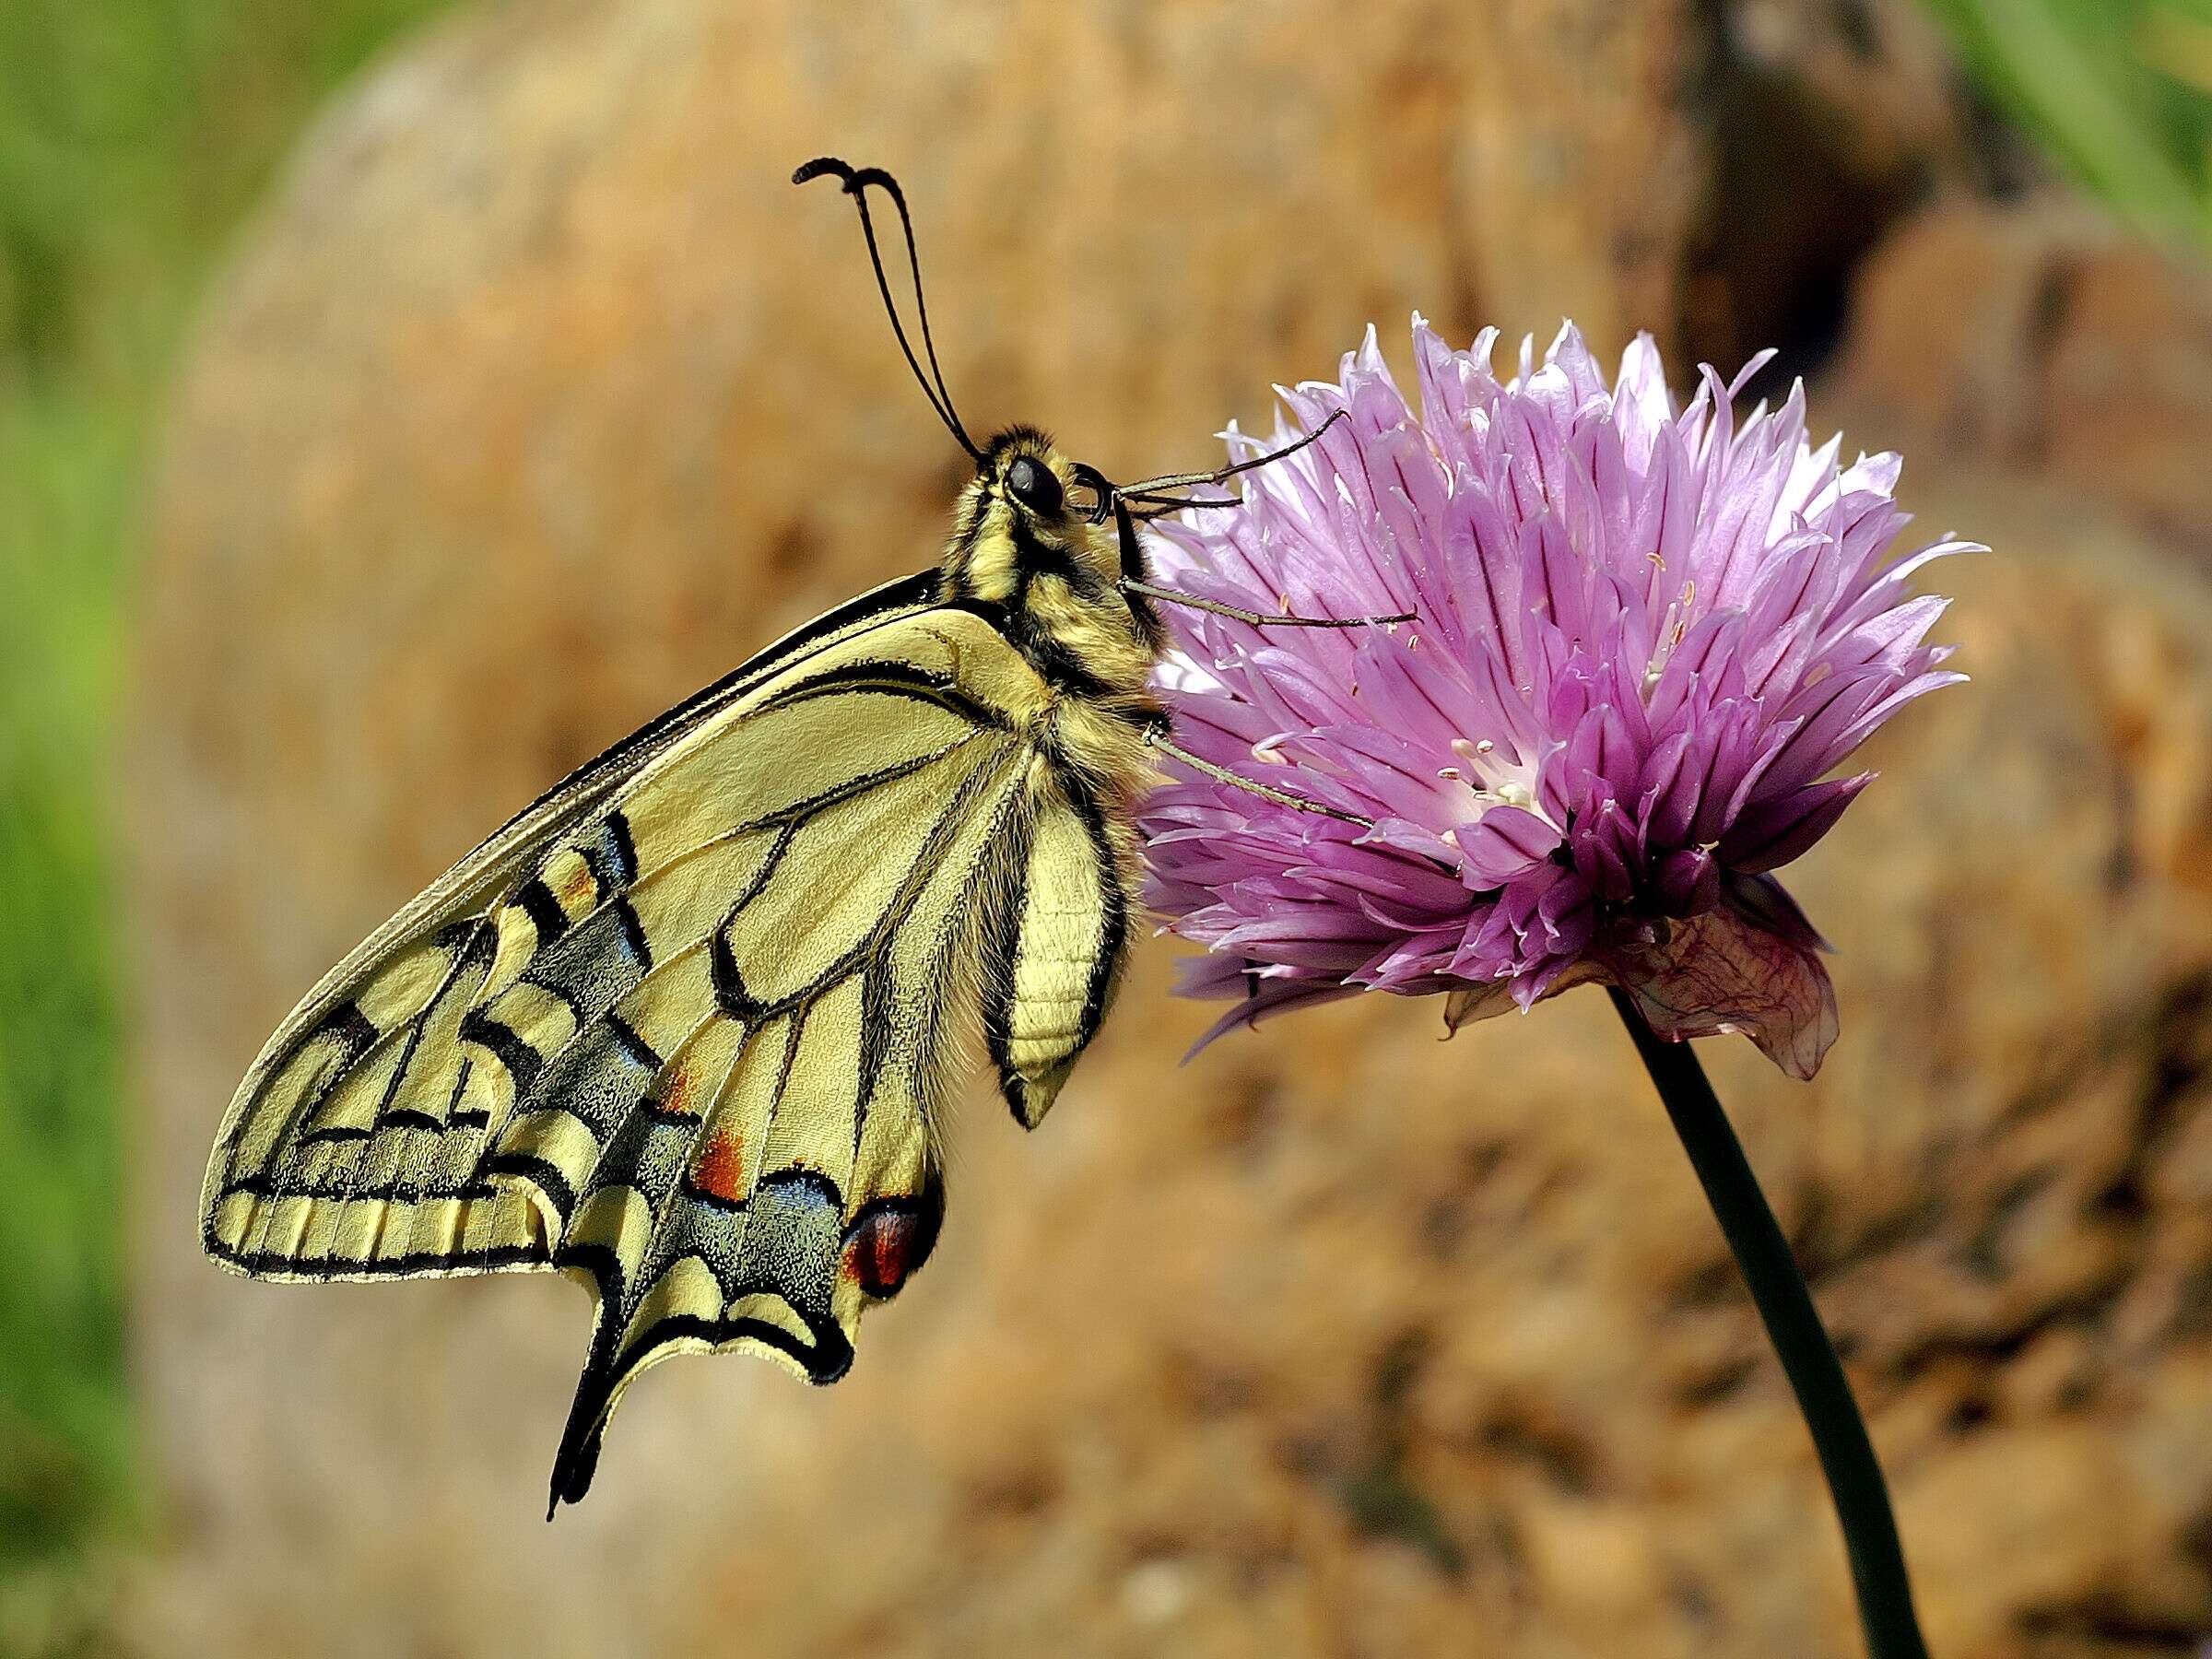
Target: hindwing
{"x": 688, "y": 1029}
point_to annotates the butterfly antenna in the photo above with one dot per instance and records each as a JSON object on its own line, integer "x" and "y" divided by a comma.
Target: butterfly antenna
{"x": 1156, "y": 498}
{"x": 1149, "y": 486}
{"x": 856, "y": 181}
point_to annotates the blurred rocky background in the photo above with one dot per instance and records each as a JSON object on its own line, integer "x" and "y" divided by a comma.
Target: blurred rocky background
{"x": 526, "y": 396}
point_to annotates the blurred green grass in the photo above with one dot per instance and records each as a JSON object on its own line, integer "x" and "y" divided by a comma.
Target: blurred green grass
{"x": 134, "y": 135}
{"x": 2119, "y": 92}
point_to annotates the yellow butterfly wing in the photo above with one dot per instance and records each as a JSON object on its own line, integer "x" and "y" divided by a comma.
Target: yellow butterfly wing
{"x": 685, "y": 1030}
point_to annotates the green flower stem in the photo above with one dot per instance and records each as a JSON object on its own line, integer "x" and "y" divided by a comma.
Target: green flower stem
{"x": 1854, "y": 1479}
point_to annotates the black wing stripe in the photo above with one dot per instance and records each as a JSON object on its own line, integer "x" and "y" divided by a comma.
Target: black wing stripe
{"x": 337, "y": 1133}
{"x": 639, "y": 1051}
{"x": 523, "y": 1061}
{"x": 489, "y": 1260}
{"x": 621, "y": 851}
{"x": 411, "y": 1117}
{"x": 633, "y": 935}
{"x": 546, "y": 1177}
{"x": 363, "y": 1037}
{"x": 1001, "y": 941}
{"x": 544, "y": 909}
{"x": 1114, "y": 923}
{"x": 890, "y": 678}
{"x": 396, "y": 1190}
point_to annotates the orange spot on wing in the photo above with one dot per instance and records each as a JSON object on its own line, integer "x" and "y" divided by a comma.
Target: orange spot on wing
{"x": 578, "y": 887}
{"x": 720, "y": 1167}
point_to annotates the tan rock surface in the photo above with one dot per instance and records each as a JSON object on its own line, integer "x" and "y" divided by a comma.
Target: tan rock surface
{"x": 2057, "y": 343}
{"x": 539, "y": 398}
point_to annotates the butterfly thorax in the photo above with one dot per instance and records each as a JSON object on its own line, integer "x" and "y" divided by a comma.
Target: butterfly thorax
{"x": 1051, "y": 578}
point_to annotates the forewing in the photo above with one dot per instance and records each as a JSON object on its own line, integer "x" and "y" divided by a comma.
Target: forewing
{"x": 377, "y": 1046}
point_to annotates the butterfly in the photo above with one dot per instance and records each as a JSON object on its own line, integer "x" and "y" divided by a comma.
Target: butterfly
{"x": 687, "y": 1027}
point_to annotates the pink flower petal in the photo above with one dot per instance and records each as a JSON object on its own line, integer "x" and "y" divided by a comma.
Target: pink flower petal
{"x": 1502, "y": 843}
{"x": 1771, "y": 833}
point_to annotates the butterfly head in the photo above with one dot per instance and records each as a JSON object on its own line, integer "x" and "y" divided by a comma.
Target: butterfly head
{"x": 1032, "y": 512}
{"x": 1046, "y": 537}
{"x": 1030, "y": 507}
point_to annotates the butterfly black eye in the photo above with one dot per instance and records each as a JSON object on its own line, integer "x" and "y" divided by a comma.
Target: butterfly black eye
{"x": 1035, "y": 485}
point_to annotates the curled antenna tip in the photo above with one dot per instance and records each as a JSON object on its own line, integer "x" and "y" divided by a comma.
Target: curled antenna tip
{"x": 857, "y": 182}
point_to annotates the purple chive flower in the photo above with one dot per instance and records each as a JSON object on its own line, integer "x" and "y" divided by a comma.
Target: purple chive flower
{"x": 1645, "y": 638}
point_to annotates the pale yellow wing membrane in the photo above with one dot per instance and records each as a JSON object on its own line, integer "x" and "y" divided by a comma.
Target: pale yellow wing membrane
{"x": 1060, "y": 941}
{"x": 692, "y": 1044}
